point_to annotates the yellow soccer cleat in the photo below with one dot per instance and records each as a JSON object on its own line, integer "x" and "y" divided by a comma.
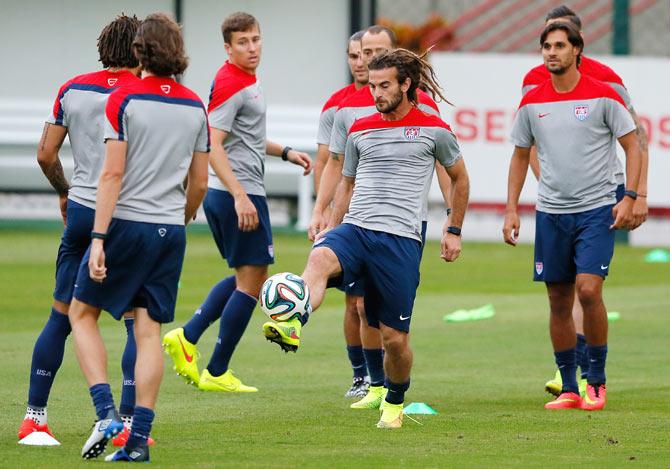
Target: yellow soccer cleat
{"x": 372, "y": 400}
{"x": 391, "y": 416}
{"x": 554, "y": 386}
{"x": 184, "y": 355}
{"x": 285, "y": 334}
{"x": 227, "y": 382}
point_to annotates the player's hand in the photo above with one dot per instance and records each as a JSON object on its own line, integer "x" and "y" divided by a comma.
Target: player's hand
{"x": 623, "y": 214}
{"x": 640, "y": 212}
{"x": 96, "y": 261}
{"x": 317, "y": 224}
{"x": 451, "y": 247}
{"x": 247, "y": 215}
{"x": 322, "y": 233}
{"x": 301, "y": 159}
{"x": 62, "y": 200}
{"x": 511, "y": 228}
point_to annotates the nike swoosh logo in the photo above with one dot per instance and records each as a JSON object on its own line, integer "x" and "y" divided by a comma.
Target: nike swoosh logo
{"x": 543, "y": 115}
{"x": 189, "y": 358}
{"x": 404, "y": 318}
{"x": 294, "y": 335}
{"x": 604, "y": 267}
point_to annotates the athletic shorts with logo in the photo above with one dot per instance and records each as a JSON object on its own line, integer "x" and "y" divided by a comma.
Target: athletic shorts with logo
{"x": 144, "y": 262}
{"x": 387, "y": 263}
{"x": 236, "y": 246}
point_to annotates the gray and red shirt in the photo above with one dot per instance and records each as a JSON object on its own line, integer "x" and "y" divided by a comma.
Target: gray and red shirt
{"x": 393, "y": 163}
{"x": 575, "y": 134}
{"x": 327, "y": 117}
{"x": 237, "y": 106}
{"x": 80, "y": 106}
{"x": 164, "y": 123}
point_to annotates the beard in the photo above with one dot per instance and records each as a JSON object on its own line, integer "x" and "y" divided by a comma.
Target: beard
{"x": 559, "y": 70}
{"x": 390, "y": 105}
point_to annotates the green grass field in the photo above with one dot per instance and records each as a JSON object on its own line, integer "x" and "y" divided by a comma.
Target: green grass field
{"x": 484, "y": 378}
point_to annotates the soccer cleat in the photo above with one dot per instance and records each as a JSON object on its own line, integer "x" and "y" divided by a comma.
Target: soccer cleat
{"x": 359, "y": 387}
{"x": 595, "y": 397}
{"x": 29, "y": 426}
{"x": 138, "y": 454}
{"x": 582, "y": 386}
{"x": 555, "y": 385}
{"x": 372, "y": 400}
{"x": 122, "y": 438}
{"x": 227, "y": 382}
{"x": 391, "y": 416}
{"x": 103, "y": 430}
{"x": 184, "y": 355}
{"x": 566, "y": 400}
{"x": 285, "y": 334}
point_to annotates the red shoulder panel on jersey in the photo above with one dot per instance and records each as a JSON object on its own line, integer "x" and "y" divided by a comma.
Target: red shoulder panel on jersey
{"x": 340, "y": 95}
{"x": 425, "y": 98}
{"x": 229, "y": 80}
{"x": 414, "y": 118}
{"x": 599, "y": 71}
{"x": 361, "y": 98}
{"x": 587, "y": 88}
{"x": 536, "y": 76}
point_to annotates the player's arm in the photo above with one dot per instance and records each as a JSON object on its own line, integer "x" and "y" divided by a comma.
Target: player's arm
{"x": 330, "y": 178}
{"x": 518, "y": 168}
{"x": 444, "y": 181}
{"x": 460, "y": 193}
{"x": 109, "y": 187}
{"x": 320, "y": 162}
{"x": 640, "y": 208}
{"x": 247, "y": 216}
{"x": 52, "y": 140}
{"x": 196, "y": 187}
{"x": 623, "y": 211}
{"x": 534, "y": 162}
{"x": 298, "y": 158}
{"x": 345, "y": 190}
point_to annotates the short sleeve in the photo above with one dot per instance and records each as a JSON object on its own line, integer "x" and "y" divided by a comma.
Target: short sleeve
{"x": 116, "y": 118}
{"x": 326, "y": 120}
{"x": 202, "y": 142}
{"x": 447, "y": 150}
{"x": 428, "y": 109}
{"x": 58, "y": 116}
{"x": 526, "y": 88}
{"x": 618, "y": 118}
{"x": 223, "y": 116}
{"x": 522, "y": 136}
{"x": 338, "y": 137}
{"x": 623, "y": 93}
{"x": 350, "y": 157}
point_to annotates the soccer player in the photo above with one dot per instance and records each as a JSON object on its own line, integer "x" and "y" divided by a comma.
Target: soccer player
{"x": 602, "y": 72}
{"x": 577, "y": 210}
{"x": 376, "y": 40}
{"x": 79, "y": 112}
{"x": 389, "y": 161}
{"x": 352, "y": 327}
{"x": 156, "y": 138}
{"x": 235, "y": 207}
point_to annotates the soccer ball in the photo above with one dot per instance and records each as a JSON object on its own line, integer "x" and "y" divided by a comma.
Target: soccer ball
{"x": 285, "y": 296}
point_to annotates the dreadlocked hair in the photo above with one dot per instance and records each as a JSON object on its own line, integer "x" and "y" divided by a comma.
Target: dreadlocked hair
{"x": 115, "y": 42}
{"x": 412, "y": 66}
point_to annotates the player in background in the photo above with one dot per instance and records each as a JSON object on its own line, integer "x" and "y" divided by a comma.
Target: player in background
{"x": 156, "y": 139}
{"x": 79, "y": 112}
{"x": 352, "y": 323}
{"x": 376, "y": 41}
{"x": 235, "y": 207}
{"x": 577, "y": 210}
{"x": 375, "y": 229}
{"x": 602, "y": 72}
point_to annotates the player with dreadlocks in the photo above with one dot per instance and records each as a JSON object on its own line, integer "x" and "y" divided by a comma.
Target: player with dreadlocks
{"x": 374, "y": 232}
{"x": 79, "y": 112}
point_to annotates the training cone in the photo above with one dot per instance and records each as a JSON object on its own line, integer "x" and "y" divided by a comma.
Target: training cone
{"x": 657, "y": 256}
{"x": 483, "y": 312}
{"x": 613, "y": 316}
{"x": 419, "y": 408}
{"x": 39, "y": 439}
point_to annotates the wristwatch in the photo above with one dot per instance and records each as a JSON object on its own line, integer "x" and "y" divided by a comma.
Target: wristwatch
{"x": 284, "y": 153}
{"x": 630, "y": 193}
{"x": 454, "y": 230}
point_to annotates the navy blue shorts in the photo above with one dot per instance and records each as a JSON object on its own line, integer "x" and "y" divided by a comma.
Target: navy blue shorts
{"x": 239, "y": 247}
{"x": 389, "y": 266}
{"x": 573, "y": 243}
{"x": 144, "y": 262}
{"x": 73, "y": 245}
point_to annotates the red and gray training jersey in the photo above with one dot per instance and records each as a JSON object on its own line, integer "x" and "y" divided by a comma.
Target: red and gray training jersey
{"x": 575, "y": 134}
{"x": 327, "y": 117}
{"x": 237, "y": 106}
{"x": 361, "y": 104}
{"x": 80, "y": 106}
{"x": 393, "y": 163}
{"x": 164, "y": 123}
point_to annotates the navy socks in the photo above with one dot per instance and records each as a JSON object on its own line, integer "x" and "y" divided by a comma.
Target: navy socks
{"x": 374, "y": 359}
{"x": 597, "y": 357}
{"x": 128, "y": 369}
{"x": 210, "y": 310}
{"x": 141, "y": 429}
{"x": 567, "y": 365}
{"x": 102, "y": 399}
{"x": 582, "y": 356}
{"x": 396, "y": 392}
{"x": 357, "y": 359}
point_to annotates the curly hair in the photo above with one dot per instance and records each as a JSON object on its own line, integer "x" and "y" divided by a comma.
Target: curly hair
{"x": 412, "y": 66}
{"x": 159, "y": 46}
{"x": 116, "y": 40}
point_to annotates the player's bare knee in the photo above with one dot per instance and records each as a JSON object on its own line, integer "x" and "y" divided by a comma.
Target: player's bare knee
{"x": 321, "y": 262}
{"x": 395, "y": 341}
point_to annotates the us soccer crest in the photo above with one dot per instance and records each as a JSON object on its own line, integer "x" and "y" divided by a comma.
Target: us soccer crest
{"x": 539, "y": 268}
{"x": 581, "y": 112}
{"x": 412, "y": 133}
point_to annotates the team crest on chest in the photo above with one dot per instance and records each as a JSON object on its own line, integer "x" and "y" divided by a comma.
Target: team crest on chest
{"x": 165, "y": 88}
{"x": 412, "y": 133}
{"x": 581, "y": 112}
{"x": 112, "y": 81}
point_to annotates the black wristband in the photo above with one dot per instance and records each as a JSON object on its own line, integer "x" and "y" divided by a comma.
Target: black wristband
{"x": 454, "y": 230}
{"x": 284, "y": 153}
{"x": 96, "y": 235}
{"x": 630, "y": 193}
{"x": 448, "y": 211}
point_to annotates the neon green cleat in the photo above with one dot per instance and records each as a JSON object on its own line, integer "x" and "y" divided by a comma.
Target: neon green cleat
{"x": 285, "y": 334}
{"x": 184, "y": 355}
{"x": 582, "y": 386}
{"x": 554, "y": 386}
{"x": 227, "y": 382}
{"x": 391, "y": 416}
{"x": 374, "y": 399}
